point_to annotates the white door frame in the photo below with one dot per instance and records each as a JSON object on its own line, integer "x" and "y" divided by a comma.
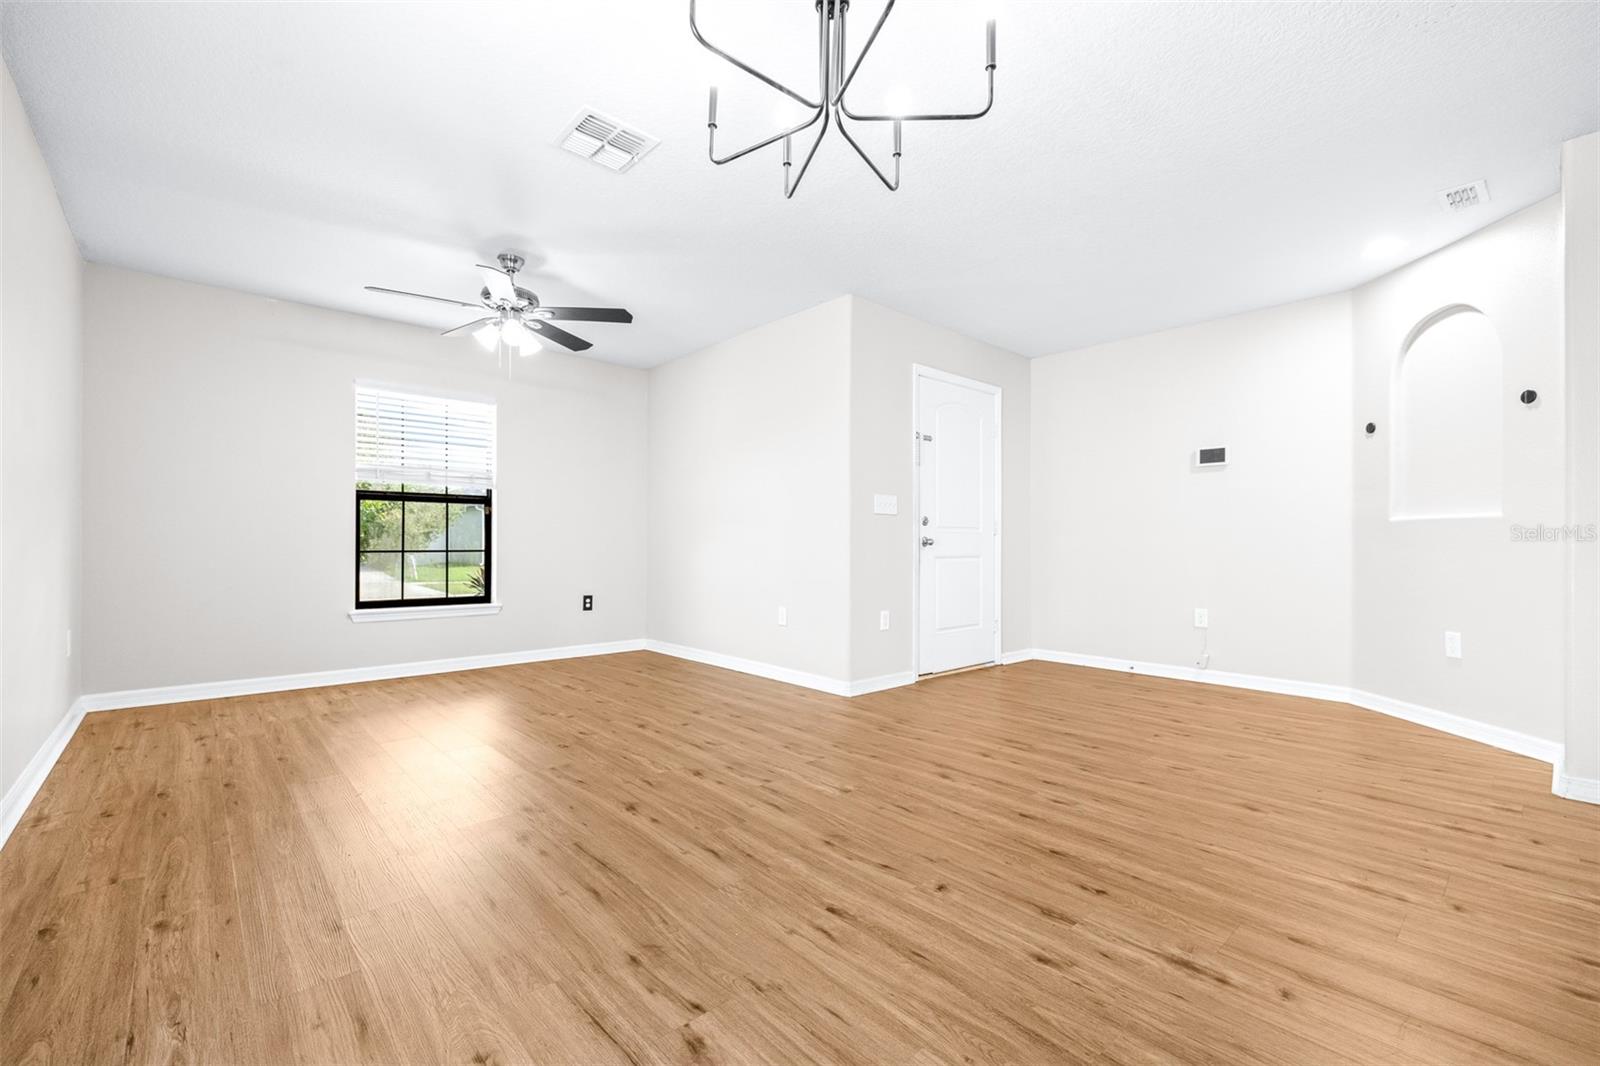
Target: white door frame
{"x": 918, "y": 374}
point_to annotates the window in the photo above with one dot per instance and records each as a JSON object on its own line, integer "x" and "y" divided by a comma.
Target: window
{"x": 424, "y": 499}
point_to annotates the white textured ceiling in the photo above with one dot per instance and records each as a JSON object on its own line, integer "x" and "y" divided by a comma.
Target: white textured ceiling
{"x": 1145, "y": 165}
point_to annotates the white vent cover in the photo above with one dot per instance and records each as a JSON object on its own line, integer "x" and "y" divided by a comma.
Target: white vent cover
{"x": 606, "y": 141}
{"x": 1464, "y": 196}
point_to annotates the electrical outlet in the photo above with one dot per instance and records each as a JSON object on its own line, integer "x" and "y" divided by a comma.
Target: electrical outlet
{"x": 783, "y": 616}
{"x": 1452, "y": 644}
{"x": 1202, "y": 618}
{"x": 588, "y": 602}
{"x": 883, "y": 619}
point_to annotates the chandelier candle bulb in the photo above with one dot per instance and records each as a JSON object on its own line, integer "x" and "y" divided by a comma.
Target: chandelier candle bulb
{"x": 897, "y": 125}
{"x": 990, "y": 36}
{"x": 711, "y": 109}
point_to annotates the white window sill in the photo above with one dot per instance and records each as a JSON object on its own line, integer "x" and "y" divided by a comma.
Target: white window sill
{"x": 397, "y": 614}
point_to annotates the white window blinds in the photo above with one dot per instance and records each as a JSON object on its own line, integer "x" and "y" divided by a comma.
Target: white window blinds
{"x": 414, "y": 439}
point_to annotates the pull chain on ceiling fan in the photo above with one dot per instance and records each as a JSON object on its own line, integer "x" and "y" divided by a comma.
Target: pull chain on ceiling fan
{"x": 517, "y": 319}
{"x": 833, "y": 80}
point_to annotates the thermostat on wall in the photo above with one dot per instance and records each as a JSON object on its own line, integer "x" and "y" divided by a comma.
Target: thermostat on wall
{"x": 1211, "y": 457}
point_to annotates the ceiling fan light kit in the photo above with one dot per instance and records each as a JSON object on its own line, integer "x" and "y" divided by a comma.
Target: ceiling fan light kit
{"x": 833, "y": 80}
{"x": 517, "y": 320}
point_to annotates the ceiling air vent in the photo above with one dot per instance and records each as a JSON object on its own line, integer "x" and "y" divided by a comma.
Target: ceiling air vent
{"x": 1464, "y": 196}
{"x": 605, "y": 141}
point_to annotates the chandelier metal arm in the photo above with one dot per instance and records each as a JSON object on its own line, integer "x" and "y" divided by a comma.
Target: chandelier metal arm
{"x": 838, "y": 66}
{"x": 988, "y": 103}
{"x": 825, "y": 82}
{"x": 711, "y": 124}
{"x": 833, "y": 81}
{"x": 989, "y": 66}
{"x": 790, "y": 190}
{"x": 871, "y": 37}
{"x": 694, "y": 28}
{"x": 892, "y": 186}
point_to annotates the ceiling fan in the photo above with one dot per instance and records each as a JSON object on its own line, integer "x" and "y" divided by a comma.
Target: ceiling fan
{"x": 517, "y": 318}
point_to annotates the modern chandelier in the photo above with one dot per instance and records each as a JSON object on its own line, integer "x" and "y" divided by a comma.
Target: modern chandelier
{"x": 832, "y": 81}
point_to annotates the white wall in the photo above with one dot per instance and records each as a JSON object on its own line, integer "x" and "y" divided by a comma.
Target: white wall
{"x": 219, "y": 452}
{"x": 1414, "y": 580}
{"x": 1129, "y": 538}
{"x": 1580, "y": 241}
{"x": 1292, "y": 547}
{"x": 884, "y": 345}
{"x": 41, "y": 389}
{"x": 749, "y": 495}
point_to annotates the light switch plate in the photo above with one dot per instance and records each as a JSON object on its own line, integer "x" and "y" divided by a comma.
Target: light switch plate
{"x": 1452, "y": 644}
{"x": 783, "y": 616}
{"x": 882, "y": 504}
{"x": 1202, "y": 618}
{"x": 883, "y": 619}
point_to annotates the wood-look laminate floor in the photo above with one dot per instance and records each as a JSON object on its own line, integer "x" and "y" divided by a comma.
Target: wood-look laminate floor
{"x": 637, "y": 859}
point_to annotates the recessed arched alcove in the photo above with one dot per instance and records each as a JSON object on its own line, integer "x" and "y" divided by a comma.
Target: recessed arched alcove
{"x": 1448, "y": 447}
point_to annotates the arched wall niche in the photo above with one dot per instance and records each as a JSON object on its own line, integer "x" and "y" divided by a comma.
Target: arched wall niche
{"x": 1447, "y": 454}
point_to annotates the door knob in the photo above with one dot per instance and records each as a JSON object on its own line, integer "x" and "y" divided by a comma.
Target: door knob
{"x": 927, "y": 542}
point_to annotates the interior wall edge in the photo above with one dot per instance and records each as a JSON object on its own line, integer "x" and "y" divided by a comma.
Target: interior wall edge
{"x": 886, "y": 347}
{"x": 41, "y": 445}
{"x": 759, "y": 572}
{"x": 1568, "y": 786}
{"x": 27, "y": 785}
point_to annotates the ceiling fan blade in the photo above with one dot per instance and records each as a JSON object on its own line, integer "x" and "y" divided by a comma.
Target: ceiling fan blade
{"x": 585, "y": 314}
{"x": 545, "y": 331}
{"x": 421, "y": 296}
{"x": 469, "y": 325}
{"x": 499, "y": 283}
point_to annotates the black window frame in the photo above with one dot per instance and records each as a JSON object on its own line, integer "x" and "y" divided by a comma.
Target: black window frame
{"x": 485, "y": 499}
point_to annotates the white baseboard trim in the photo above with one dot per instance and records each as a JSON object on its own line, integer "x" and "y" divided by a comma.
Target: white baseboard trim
{"x": 214, "y": 690}
{"x": 1495, "y": 736}
{"x": 1582, "y": 789}
{"x": 880, "y": 683}
{"x": 1021, "y": 655}
{"x": 1282, "y": 686}
{"x": 22, "y": 791}
{"x": 251, "y": 686}
{"x": 819, "y": 682}
{"x": 832, "y": 686}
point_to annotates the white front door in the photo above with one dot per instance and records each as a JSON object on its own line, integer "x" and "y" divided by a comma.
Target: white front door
{"x": 958, "y": 522}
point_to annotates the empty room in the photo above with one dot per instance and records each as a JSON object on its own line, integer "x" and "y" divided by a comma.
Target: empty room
{"x": 938, "y": 532}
